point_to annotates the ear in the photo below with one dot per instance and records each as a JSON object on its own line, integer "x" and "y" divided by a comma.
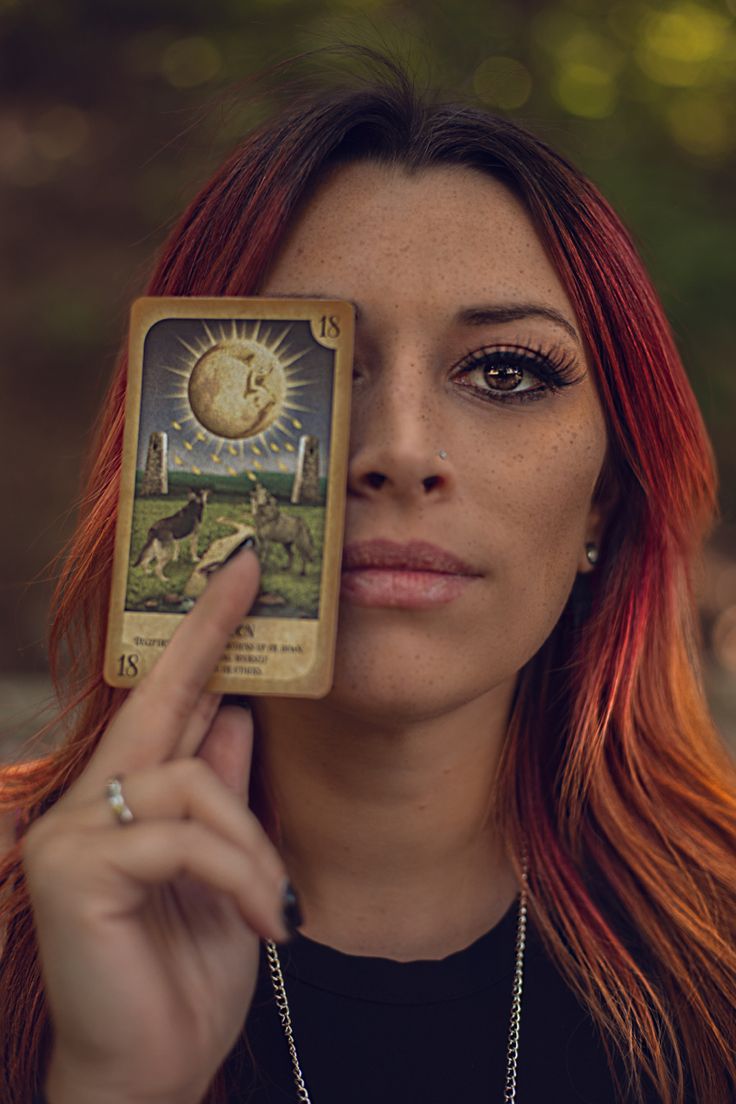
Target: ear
{"x": 605, "y": 499}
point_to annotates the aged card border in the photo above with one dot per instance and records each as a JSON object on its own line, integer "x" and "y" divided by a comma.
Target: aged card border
{"x": 145, "y": 312}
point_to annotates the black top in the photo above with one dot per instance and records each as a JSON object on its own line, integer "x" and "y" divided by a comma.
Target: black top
{"x": 376, "y": 1031}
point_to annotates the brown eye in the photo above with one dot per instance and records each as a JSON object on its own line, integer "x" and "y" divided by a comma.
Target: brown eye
{"x": 504, "y": 377}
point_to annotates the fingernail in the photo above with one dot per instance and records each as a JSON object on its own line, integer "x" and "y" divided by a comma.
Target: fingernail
{"x": 249, "y": 542}
{"x": 291, "y": 912}
{"x": 237, "y": 699}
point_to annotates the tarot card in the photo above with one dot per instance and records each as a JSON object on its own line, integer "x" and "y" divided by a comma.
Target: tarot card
{"x": 236, "y": 425}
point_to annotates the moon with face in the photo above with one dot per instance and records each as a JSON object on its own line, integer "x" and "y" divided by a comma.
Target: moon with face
{"x": 237, "y": 388}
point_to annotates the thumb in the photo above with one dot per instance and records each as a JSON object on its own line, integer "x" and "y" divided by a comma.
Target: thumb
{"x": 228, "y": 747}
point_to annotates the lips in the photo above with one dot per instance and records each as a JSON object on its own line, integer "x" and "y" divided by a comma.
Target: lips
{"x": 412, "y": 576}
{"x": 413, "y": 556}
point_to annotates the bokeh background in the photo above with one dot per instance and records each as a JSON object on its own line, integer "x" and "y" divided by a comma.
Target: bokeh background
{"x": 112, "y": 114}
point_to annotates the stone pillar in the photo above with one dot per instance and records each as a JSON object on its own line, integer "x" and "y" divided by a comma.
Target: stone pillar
{"x": 156, "y": 475}
{"x": 305, "y": 489}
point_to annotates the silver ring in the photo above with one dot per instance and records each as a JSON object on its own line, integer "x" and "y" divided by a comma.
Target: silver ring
{"x": 116, "y": 801}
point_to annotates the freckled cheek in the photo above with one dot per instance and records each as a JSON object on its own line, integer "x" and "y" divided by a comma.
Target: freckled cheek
{"x": 537, "y": 501}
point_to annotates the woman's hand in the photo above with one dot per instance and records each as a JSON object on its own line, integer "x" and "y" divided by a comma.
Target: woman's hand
{"x": 148, "y": 931}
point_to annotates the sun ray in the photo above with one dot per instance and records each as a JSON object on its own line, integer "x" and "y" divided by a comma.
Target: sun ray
{"x": 280, "y": 340}
{"x": 293, "y": 358}
{"x": 196, "y": 353}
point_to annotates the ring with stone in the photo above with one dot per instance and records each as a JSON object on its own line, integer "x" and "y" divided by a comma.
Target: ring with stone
{"x": 116, "y": 801}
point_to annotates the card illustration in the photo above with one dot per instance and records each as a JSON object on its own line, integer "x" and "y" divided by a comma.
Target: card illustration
{"x": 236, "y": 427}
{"x": 234, "y": 441}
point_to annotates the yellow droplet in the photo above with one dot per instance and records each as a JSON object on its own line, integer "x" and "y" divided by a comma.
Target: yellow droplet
{"x": 282, "y": 466}
{"x": 256, "y": 450}
{"x": 258, "y": 465}
{"x": 187, "y": 446}
{"x": 200, "y": 435}
{"x": 275, "y": 448}
{"x": 231, "y": 471}
{"x": 251, "y": 477}
{"x": 232, "y": 450}
{"x": 178, "y": 460}
{"x": 196, "y": 470}
{"x": 296, "y": 423}
{"x": 215, "y": 457}
{"x": 176, "y": 425}
{"x": 289, "y": 447}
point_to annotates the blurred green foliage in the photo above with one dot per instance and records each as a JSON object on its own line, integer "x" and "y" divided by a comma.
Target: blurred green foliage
{"x": 113, "y": 113}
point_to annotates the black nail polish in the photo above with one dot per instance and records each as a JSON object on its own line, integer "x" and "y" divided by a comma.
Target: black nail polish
{"x": 237, "y": 699}
{"x": 249, "y": 542}
{"x": 292, "y": 913}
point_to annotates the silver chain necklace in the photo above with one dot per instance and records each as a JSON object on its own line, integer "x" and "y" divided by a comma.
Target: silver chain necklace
{"x": 512, "y": 1052}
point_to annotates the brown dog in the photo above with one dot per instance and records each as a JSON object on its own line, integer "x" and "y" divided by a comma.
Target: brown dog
{"x": 164, "y": 536}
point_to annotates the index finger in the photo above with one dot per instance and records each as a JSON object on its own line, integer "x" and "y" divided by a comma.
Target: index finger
{"x": 152, "y": 719}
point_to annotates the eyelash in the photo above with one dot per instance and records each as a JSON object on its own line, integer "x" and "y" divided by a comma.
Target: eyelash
{"x": 554, "y": 369}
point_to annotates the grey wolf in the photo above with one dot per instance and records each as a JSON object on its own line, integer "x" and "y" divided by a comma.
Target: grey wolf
{"x": 271, "y": 525}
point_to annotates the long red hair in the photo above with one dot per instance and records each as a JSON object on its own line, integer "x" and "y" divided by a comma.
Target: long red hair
{"x": 613, "y": 773}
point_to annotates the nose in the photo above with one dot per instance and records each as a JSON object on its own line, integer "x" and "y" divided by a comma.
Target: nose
{"x": 397, "y": 444}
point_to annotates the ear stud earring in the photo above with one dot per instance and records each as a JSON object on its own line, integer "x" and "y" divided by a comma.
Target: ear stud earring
{"x": 591, "y": 551}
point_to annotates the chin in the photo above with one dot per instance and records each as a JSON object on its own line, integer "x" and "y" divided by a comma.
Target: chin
{"x": 401, "y": 671}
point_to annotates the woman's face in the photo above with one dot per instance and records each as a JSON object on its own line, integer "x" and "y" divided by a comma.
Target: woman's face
{"x": 461, "y": 318}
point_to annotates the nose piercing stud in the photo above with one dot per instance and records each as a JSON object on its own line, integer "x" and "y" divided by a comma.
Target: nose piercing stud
{"x": 442, "y": 454}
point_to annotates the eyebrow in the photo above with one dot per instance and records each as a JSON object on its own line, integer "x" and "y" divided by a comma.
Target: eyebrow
{"x": 486, "y": 315}
{"x": 514, "y": 312}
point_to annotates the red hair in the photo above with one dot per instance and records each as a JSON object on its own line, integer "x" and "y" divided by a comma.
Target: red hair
{"x": 613, "y": 772}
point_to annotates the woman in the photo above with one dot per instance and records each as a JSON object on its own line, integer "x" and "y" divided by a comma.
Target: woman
{"x": 511, "y": 823}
